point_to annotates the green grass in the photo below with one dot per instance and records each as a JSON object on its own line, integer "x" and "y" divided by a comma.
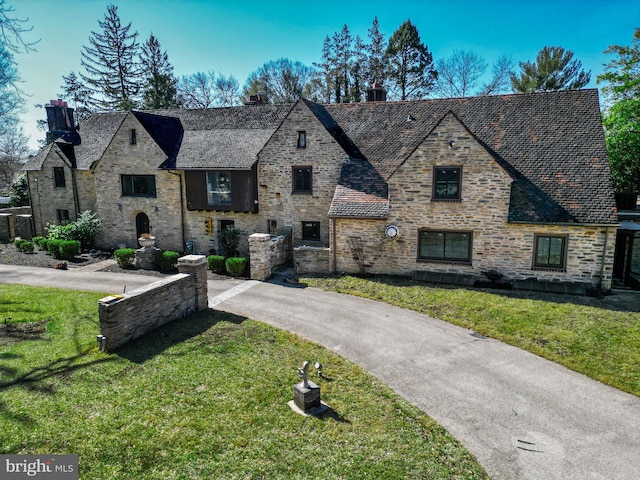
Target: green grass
{"x": 597, "y": 340}
{"x": 204, "y": 397}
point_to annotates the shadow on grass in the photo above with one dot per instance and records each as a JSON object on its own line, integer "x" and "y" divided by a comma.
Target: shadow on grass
{"x": 154, "y": 343}
{"x": 619, "y": 301}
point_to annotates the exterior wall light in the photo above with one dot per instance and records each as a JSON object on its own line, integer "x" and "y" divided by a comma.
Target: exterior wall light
{"x": 391, "y": 231}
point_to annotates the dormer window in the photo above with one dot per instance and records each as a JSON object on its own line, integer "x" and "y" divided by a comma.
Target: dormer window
{"x": 302, "y": 139}
{"x": 133, "y": 139}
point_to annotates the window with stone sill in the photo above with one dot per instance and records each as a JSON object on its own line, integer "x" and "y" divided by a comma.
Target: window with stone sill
{"x": 138, "y": 185}
{"x": 550, "y": 252}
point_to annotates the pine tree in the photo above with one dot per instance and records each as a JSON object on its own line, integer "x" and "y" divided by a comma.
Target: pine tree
{"x": 411, "y": 71}
{"x": 113, "y": 72}
{"x": 376, "y": 66}
{"x": 553, "y": 69}
{"x": 78, "y": 95}
{"x": 160, "y": 90}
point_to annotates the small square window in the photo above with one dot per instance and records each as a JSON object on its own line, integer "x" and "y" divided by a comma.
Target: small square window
{"x": 303, "y": 180}
{"x": 58, "y": 177}
{"x": 311, "y": 231}
{"x": 133, "y": 139}
{"x": 550, "y": 252}
{"x": 302, "y": 139}
{"x": 447, "y": 183}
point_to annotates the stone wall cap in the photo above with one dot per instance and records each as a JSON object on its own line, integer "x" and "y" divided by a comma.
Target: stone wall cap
{"x": 260, "y": 236}
{"x": 192, "y": 260}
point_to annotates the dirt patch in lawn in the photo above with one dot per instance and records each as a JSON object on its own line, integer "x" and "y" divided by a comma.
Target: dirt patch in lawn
{"x": 12, "y": 333}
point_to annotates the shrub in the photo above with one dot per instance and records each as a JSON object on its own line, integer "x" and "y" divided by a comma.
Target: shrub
{"x": 167, "y": 260}
{"x": 86, "y": 228}
{"x": 235, "y": 266}
{"x": 60, "y": 232}
{"x": 18, "y": 243}
{"x": 44, "y": 245}
{"x": 38, "y": 241}
{"x": 69, "y": 249}
{"x": 228, "y": 239}
{"x": 26, "y": 247}
{"x": 63, "y": 249}
{"x": 215, "y": 263}
{"x": 125, "y": 257}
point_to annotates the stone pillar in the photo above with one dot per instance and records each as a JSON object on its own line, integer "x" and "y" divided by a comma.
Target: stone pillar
{"x": 146, "y": 257}
{"x": 259, "y": 256}
{"x": 6, "y": 224}
{"x": 196, "y": 265}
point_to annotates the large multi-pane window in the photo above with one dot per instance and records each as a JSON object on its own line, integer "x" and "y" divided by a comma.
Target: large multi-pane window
{"x": 218, "y": 188}
{"x": 550, "y": 251}
{"x": 303, "y": 180}
{"x": 447, "y": 183}
{"x": 138, "y": 185}
{"x": 445, "y": 246}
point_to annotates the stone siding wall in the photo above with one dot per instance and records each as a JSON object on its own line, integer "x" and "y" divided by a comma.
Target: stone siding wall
{"x": 482, "y": 210}
{"x": 118, "y": 212}
{"x": 16, "y": 222}
{"x": 275, "y": 168}
{"x": 47, "y": 199}
{"x": 266, "y": 253}
{"x": 312, "y": 260}
{"x": 124, "y": 318}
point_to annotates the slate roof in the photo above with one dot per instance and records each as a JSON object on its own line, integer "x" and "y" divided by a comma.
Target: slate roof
{"x": 225, "y": 138}
{"x": 96, "y": 133}
{"x": 551, "y": 143}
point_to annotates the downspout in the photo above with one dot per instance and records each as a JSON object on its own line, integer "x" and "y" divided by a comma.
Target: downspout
{"x": 334, "y": 244}
{"x": 182, "y": 227}
{"x": 604, "y": 255}
{"x": 76, "y": 200}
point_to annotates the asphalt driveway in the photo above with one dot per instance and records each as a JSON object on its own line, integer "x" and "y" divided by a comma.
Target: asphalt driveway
{"x": 522, "y": 416}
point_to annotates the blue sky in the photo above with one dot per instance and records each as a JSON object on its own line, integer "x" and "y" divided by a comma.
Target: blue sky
{"x": 236, "y": 37}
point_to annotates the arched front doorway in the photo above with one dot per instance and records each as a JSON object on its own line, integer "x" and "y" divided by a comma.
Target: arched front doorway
{"x": 142, "y": 224}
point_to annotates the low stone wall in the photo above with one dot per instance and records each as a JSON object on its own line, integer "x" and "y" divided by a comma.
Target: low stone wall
{"x": 312, "y": 260}
{"x": 266, "y": 253}
{"x": 15, "y": 222}
{"x": 129, "y": 316}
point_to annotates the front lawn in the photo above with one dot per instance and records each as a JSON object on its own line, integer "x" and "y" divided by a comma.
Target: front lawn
{"x": 597, "y": 337}
{"x": 204, "y": 397}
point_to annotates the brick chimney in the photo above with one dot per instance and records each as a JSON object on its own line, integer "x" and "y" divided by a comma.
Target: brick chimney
{"x": 376, "y": 93}
{"x": 256, "y": 99}
{"x": 60, "y": 122}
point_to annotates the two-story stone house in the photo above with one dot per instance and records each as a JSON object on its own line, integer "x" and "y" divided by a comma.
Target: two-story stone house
{"x": 514, "y": 183}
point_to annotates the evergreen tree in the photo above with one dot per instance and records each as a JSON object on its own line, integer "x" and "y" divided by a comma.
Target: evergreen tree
{"x": 113, "y": 73}
{"x": 411, "y": 71}
{"x": 160, "y": 89}
{"x": 78, "y": 95}
{"x": 376, "y": 67}
{"x": 554, "y": 69}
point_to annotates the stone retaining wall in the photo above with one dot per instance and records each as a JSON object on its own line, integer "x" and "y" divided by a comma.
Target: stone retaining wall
{"x": 129, "y": 316}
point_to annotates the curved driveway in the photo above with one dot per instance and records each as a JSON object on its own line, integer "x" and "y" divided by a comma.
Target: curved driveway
{"x": 523, "y": 417}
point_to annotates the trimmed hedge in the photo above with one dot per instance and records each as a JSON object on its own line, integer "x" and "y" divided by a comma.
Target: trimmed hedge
{"x": 125, "y": 257}
{"x": 39, "y": 241}
{"x": 235, "y": 266}
{"x": 63, "y": 249}
{"x": 167, "y": 260}
{"x": 215, "y": 263}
